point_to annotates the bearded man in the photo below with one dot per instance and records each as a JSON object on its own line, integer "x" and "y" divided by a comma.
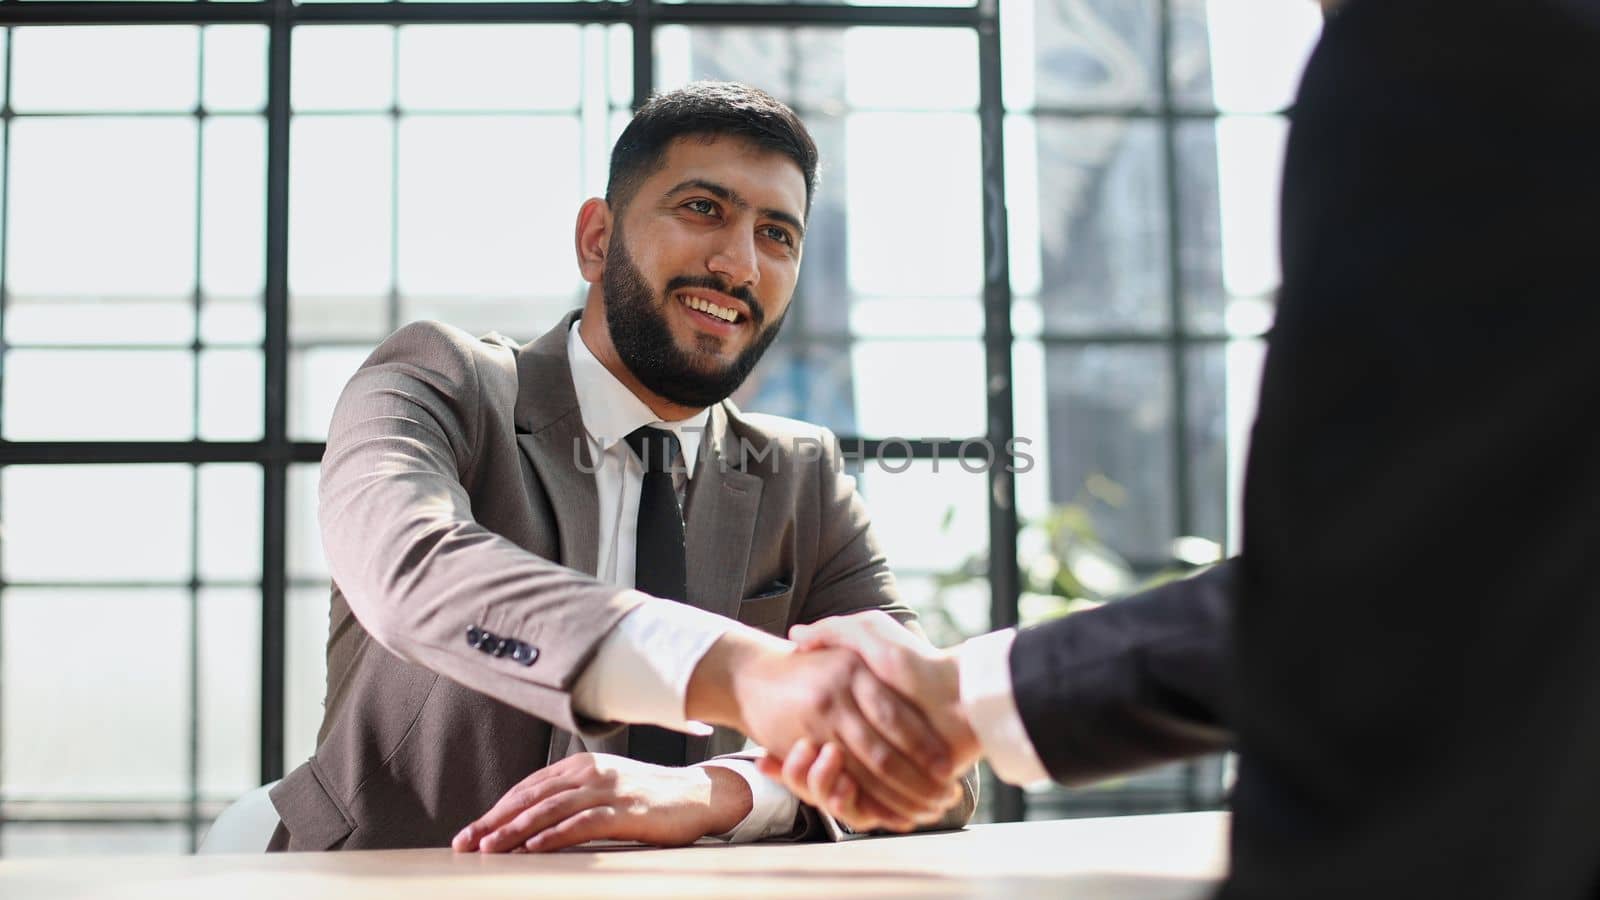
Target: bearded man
{"x": 533, "y": 543}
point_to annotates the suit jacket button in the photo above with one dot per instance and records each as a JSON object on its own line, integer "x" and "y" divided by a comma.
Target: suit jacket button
{"x": 524, "y": 654}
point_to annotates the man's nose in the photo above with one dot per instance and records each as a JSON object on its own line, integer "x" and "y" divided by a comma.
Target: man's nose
{"x": 735, "y": 260}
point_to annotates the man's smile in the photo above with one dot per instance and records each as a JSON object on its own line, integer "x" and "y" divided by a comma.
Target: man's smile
{"x": 712, "y": 311}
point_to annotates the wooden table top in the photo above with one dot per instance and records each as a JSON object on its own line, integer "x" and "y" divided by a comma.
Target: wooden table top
{"x": 1147, "y": 857}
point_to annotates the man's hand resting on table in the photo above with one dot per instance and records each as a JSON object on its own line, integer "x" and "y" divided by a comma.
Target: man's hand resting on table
{"x": 598, "y": 796}
{"x": 816, "y": 770}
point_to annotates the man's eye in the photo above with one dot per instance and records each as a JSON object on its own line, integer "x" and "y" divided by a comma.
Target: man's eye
{"x": 703, "y": 207}
{"x": 779, "y": 235}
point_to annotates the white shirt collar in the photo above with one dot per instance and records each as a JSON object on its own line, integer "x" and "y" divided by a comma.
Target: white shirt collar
{"x": 611, "y": 412}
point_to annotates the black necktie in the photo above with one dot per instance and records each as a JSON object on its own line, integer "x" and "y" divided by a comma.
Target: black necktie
{"x": 659, "y": 568}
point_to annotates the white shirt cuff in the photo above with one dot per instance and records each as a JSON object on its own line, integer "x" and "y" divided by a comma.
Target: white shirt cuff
{"x": 640, "y": 672}
{"x": 984, "y": 664}
{"x": 772, "y": 807}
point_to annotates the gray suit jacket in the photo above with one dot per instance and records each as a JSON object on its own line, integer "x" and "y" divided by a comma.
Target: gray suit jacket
{"x": 455, "y": 495}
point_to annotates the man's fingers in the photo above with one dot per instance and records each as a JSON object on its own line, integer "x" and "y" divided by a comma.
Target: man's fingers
{"x": 591, "y": 824}
{"x": 529, "y": 793}
{"x": 906, "y": 727}
{"x": 796, "y": 766}
{"x": 884, "y": 771}
{"x": 771, "y": 766}
{"x": 822, "y": 776}
{"x": 539, "y": 817}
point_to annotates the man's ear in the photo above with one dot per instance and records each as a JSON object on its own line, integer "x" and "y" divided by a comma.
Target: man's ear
{"x": 593, "y": 237}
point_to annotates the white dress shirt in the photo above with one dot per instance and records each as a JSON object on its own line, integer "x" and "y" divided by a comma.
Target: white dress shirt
{"x": 641, "y": 670}
{"x": 984, "y": 663}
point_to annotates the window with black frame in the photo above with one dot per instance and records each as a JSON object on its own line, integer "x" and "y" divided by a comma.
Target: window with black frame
{"x": 1043, "y": 221}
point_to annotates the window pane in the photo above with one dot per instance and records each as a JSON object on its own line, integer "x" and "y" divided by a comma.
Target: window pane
{"x": 340, "y": 205}
{"x": 105, "y": 69}
{"x": 236, "y": 68}
{"x": 230, "y": 522}
{"x": 232, "y": 321}
{"x": 930, "y": 515}
{"x": 1107, "y": 444}
{"x": 1096, "y": 53}
{"x": 343, "y": 67}
{"x": 304, "y": 549}
{"x": 1023, "y": 214}
{"x": 911, "y": 68}
{"x": 315, "y": 318}
{"x": 890, "y": 317}
{"x": 92, "y": 523}
{"x": 858, "y": 2}
{"x": 135, "y": 690}
{"x": 232, "y": 385}
{"x": 877, "y": 234}
{"x": 519, "y": 318}
{"x": 501, "y": 226}
{"x": 1242, "y": 55}
{"x": 103, "y": 207}
{"x": 905, "y": 238}
{"x": 811, "y": 382}
{"x": 98, "y": 395}
{"x": 1231, "y": 173}
{"x": 306, "y": 629}
{"x": 951, "y": 609}
{"x": 1224, "y": 383}
{"x": 230, "y": 692}
{"x": 316, "y": 377}
{"x": 30, "y": 840}
{"x": 90, "y": 321}
{"x": 234, "y": 214}
{"x": 1102, "y": 224}
{"x": 484, "y": 67}
{"x": 949, "y": 399}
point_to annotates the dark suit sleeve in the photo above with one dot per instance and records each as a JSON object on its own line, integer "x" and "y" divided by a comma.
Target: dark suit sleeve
{"x": 1135, "y": 683}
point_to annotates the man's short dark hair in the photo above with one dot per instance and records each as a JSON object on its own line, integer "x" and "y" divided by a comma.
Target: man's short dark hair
{"x": 706, "y": 109}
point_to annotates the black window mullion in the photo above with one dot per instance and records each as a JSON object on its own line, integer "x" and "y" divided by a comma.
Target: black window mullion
{"x": 278, "y": 449}
{"x": 644, "y": 51}
{"x": 1004, "y": 576}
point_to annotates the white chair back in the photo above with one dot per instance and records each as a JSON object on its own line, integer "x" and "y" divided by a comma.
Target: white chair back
{"x": 246, "y": 826}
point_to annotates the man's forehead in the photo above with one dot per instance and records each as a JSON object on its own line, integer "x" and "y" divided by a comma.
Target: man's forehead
{"x": 764, "y": 177}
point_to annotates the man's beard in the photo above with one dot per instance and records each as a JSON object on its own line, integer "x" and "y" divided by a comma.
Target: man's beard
{"x": 643, "y": 338}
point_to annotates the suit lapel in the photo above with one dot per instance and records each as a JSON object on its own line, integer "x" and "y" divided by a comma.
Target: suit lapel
{"x": 550, "y": 432}
{"x": 721, "y": 520}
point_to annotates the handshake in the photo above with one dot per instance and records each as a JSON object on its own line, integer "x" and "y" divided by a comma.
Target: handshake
{"x": 860, "y": 716}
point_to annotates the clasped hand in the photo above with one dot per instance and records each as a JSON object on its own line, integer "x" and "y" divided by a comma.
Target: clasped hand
{"x": 922, "y": 685}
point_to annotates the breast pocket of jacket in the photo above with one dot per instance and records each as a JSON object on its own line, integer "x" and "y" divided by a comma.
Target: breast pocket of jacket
{"x": 768, "y": 608}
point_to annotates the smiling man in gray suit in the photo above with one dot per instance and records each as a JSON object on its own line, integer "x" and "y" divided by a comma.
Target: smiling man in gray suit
{"x": 530, "y": 544}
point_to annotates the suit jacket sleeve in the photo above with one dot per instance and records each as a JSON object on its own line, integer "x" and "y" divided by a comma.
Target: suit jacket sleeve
{"x": 1135, "y": 683}
{"x": 402, "y": 544}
